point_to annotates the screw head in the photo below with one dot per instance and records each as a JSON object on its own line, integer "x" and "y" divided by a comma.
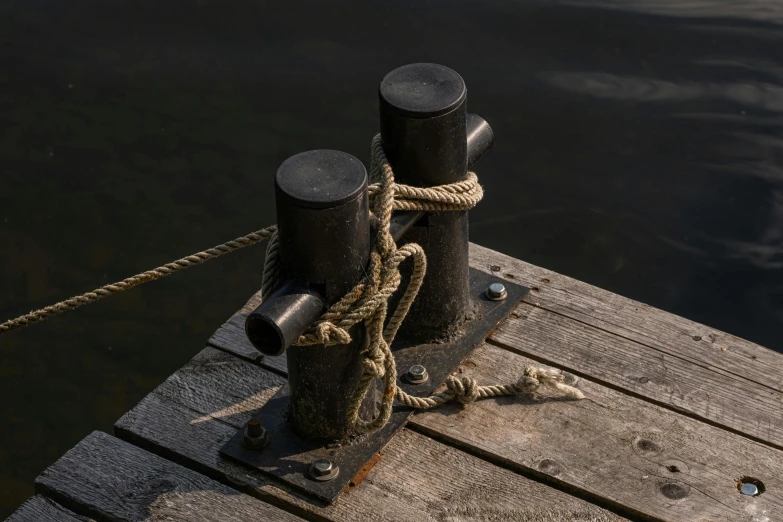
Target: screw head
{"x": 496, "y": 292}
{"x": 417, "y": 374}
{"x": 256, "y": 437}
{"x": 324, "y": 470}
{"x": 749, "y": 489}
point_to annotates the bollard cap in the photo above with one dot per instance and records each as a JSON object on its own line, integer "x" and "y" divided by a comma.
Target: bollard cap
{"x": 320, "y": 179}
{"x": 422, "y": 90}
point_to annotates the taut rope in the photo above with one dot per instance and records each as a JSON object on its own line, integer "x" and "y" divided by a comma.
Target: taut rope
{"x": 144, "y": 277}
{"x": 367, "y": 302}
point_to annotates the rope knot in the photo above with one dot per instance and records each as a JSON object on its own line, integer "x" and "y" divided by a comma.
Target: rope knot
{"x": 329, "y": 334}
{"x": 375, "y": 364}
{"x": 528, "y": 382}
{"x": 464, "y": 389}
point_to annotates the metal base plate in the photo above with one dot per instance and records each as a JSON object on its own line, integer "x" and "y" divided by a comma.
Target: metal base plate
{"x": 288, "y": 457}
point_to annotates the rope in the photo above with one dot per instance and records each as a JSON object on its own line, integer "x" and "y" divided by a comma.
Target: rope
{"x": 367, "y": 302}
{"x": 144, "y": 277}
{"x": 465, "y": 389}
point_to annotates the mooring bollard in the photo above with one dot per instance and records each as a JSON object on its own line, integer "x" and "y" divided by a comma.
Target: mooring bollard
{"x": 324, "y": 235}
{"x": 325, "y": 243}
{"x": 430, "y": 140}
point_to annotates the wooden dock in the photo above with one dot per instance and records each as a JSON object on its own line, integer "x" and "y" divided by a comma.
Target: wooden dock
{"x": 677, "y": 415}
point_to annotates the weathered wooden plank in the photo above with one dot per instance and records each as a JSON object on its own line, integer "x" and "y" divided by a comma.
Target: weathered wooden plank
{"x": 655, "y": 462}
{"x": 112, "y": 480}
{"x": 191, "y": 415}
{"x": 654, "y": 328}
{"x": 709, "y": 394}
{"x": 657, "y": 331}
{"x": 39, "y": 508}
{"x": 607, "y": 348}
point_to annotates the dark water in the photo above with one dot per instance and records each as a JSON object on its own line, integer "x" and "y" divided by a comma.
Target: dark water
{"x": 638, "y": 149}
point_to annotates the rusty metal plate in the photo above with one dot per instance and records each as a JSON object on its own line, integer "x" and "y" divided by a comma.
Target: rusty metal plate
{"x": 288, "y": 457}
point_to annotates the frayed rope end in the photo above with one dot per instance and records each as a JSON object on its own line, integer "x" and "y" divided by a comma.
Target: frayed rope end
{"x": 532, "y": 378}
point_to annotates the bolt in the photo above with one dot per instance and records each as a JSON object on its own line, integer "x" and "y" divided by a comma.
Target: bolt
{"x": 256, "y": 436}
{"x": 324, "y": 470}
{"x": 750, "y": 490}
{"x": 322, "y": 467}
{"x": 496, "y": 292}
{"x": 254, "y": 428}
{"x": 417, "y": 374}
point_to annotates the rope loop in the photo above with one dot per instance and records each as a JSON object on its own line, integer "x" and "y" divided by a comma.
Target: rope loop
{"x": 328, "y": 334}
{"x": 367, "y": 303}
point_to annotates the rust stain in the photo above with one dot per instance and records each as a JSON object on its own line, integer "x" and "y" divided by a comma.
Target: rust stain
{"x": 388, "y": 392}
{"x": 362, "y": 474}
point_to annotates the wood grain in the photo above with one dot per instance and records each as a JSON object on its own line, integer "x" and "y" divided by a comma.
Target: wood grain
{"x": 656, "y": 329}
{"x": 620, "y": 342}
{"x": 653, "y": 462}
{"x": 109, "y": 479}
{"x": 191, "y": 415}
{"x": 702, "y": 345}
{"x": 717, "y": 397}
{"x": 40, "y": 508}
{"x": 663, "y": 362}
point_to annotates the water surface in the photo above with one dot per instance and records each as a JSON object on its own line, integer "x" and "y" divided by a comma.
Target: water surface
{"x": 638, "y": 149}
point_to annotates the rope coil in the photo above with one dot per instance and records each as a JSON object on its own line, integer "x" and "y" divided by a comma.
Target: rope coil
{"x": 367, "y": 302}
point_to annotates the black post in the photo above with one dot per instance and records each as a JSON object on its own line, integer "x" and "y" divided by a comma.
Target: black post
{"x": 324, "y": 234}
{"x": 424, "y": 133}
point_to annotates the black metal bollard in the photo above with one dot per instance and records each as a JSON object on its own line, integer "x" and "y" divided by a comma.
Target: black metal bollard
{"x": 324, "y": 234}
{"x": 425, "y": 135}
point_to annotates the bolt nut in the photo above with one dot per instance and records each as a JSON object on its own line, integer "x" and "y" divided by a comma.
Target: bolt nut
{"x": 417, "y": 374}
{"x": 496, "y": 292}
{"x": 256, "y": 437}
{"x": 749, "y": 489}
{"x": 324, "y": 470}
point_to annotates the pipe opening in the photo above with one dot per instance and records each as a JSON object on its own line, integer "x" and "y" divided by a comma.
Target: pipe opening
{"x": 265, "y": 335}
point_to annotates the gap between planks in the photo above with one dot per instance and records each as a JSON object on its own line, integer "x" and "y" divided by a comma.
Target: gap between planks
{"x": 671, "y": 377}
{"x": 614, "y": 373}
{"x": 729, "y": 405}
{"x": 416, "y": 479}
{"x": 112, "y": 480}
{"x": 637, "y": 321}
{"x": 611, "y": 446}
{"x": 38, "y": 508}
